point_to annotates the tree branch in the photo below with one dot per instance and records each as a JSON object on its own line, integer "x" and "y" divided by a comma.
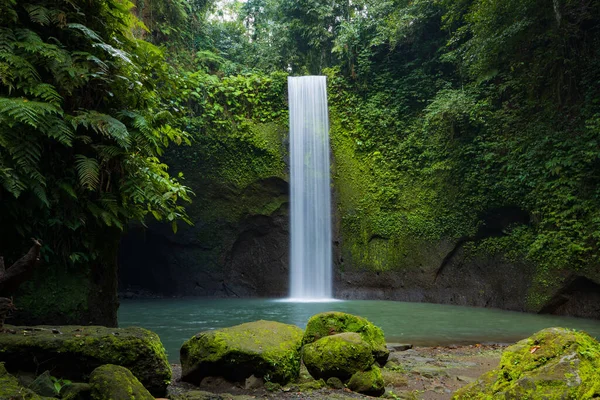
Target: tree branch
{"x": 19, "y": 272}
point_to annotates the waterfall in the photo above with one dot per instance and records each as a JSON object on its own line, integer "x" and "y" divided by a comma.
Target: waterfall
{"x": 311, "y": 261}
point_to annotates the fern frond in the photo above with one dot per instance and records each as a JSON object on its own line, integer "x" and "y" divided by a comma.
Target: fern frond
{"x": 113, "y": 51}
{"x": 87, "y": 32}
{"x": 7, "y": 40}
{"x": 109, "y": 152}
{"x": 39, "y": 14}
{"x": 88, "y": 171}
{"x": 11, "y": 182}
{"x": 58, "y": 129}
{"x": 68, "y": 189}
{"x": 103, "y": 124}
{"x": 20, "y": 69}
{"x": 7, "y": 11}
{"x": 27, "y": 112}
{"x": 40, "y": 193}
{"x": 44, "y": 91}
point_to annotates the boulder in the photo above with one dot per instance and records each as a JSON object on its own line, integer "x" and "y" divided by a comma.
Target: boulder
{"x": 73, "y": 352}
{"x": 265, "y": 349}
{"x": 368, "y": 382}
{"x": 555, "y": 363}
{"x": 333, "y": 322}
{"x": 10, "y": 388}
{"x": 116, "y": 383}
{"x": 338, "y": 356}
{"x": 76, "y": 391}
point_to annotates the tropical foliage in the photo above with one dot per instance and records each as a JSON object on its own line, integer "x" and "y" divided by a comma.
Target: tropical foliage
{"x": 84, "y": 117}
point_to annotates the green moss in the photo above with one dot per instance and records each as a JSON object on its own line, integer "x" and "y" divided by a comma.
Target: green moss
{"x": 312, "y": 385}
{"x": 74, "y": 351}
{"x": 116, "y": 383}
{"x": 368, "y": 382}
{"x": 555, "y": 363}
{"x": 390, "y": 217}
{"x": 337, "y": 356}
{"x": 263, "y": 348}
{"x": 11, "y": 389}
{"x": 330, "y": 323}
{"x": 55, "y": 292}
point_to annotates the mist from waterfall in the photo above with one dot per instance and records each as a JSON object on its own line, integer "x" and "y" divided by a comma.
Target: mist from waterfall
{"x": 310, "y": 260}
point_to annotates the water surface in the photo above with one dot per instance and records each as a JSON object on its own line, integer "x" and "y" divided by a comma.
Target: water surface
{"x": 176, "y": 320}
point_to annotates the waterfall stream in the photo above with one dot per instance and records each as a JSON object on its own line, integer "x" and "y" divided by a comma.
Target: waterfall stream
{"x": 310, "y": 260}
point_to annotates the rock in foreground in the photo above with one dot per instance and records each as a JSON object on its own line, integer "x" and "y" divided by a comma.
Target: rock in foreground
{"x": 116, "y": 383}
{"x": 555, "y": 363}
{"x": 337, "y": 356}
{"x": 73, "y": 352}
{"x": 265, "y": 349}
{"x": 331, "y": 323}
{"x": 11, "y": 389}
{"x": 368, "y": 382}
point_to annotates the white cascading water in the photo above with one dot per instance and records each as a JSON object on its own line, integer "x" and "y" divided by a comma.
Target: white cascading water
{"x": 311, "y": 262}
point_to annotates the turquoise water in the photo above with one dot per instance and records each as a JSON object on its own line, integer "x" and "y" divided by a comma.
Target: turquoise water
{"x": 176, "y": 320}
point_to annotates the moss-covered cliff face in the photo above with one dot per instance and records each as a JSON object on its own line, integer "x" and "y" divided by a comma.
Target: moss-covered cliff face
{"x": 238, "y": 245}
{"x": 411, "y": 226}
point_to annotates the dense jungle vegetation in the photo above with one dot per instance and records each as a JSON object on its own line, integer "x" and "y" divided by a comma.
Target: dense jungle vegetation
{"x": 442, "y": 110}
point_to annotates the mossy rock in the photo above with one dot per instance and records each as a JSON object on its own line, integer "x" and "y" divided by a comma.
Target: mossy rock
{"x": 368, "y": 382}
{"x": 73, "y": 352}
{"x": 10, "y": 388}
{"x": 338, "y": 356}
{"x": 76, "y": 391}
{"x": 113, "y": 382}
{"x": 555, "y": 363}
{"x": 334, "y": 322}
{"x": 266, "y": 349}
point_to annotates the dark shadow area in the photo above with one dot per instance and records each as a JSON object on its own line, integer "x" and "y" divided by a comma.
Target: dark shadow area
{"x": 580, "y": 296}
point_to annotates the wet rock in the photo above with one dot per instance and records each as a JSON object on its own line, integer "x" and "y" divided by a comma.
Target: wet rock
{"x": 553, "y": 363}
{"x": 430, "y": 372}
{"x": 399, "y": 346}
{"x": 466, "y": 379}
{"x": 337, "y": 356}
{"x": 335, "y": 383}
{"x": 266, "y": 349}
{"x": 76, "y": 352}
{"x": 253, "y": 382}
{"x": 368, "y": 382}
{"x": 116, "y": 383}
{"x": 331, "y": 323}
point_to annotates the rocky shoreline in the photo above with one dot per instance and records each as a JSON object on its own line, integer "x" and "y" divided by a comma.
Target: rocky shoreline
{"x": 337, "y": 356}
{"x": 428, "y": 373}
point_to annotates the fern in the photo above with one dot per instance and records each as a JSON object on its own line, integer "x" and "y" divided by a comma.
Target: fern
{"x": 21, "y": 110}
{"x": 39, "y": 14}
{"x": 103, "y": 124}
{"x": 44, "y": 91}
{"x": 87, "y": 32}
{"x": 88, "y": 171}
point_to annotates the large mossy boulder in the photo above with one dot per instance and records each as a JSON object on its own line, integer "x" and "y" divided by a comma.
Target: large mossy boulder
{"x": 265, "y": 349}
{"x": 333, "y": 322}
{"x": 369, "y": 382}
{"x": 339, "y": 356}
{"x": 73, "y": 352}
{"x": 555, "y": 363}
{"x": 10, "y": 388}
{"x": 113, "y": 382}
